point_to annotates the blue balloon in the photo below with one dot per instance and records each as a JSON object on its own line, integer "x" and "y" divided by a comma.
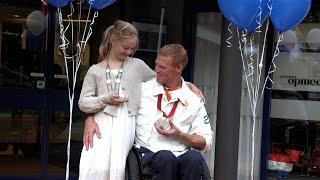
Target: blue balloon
{"x": 287, "y": 14}
{"x": 78, "y": 1}
{"x": 100, "y": 4}
{"x": 244, "y": 13}
{"x": 59, "y": 3}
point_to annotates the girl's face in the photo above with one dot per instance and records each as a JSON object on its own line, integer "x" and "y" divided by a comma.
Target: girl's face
{"x": 121, "y": 49}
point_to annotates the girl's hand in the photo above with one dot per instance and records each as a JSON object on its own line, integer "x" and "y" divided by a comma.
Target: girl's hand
{"x": 197, "y": 91}
{"x": 116, "y": 99}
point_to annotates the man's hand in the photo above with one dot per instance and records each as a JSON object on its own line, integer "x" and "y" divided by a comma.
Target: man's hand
{"x": 173, "y": 131}
{"x": 90, "y": 128}
{"x": 191, "y": 140}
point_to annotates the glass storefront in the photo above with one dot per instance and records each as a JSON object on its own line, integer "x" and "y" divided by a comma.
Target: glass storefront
{"x": 295, "y": 119}
{"x": 34, "y": 106}
{"x": 34, "y": 103}
{"x": 22, "y": 47}
{"x": 34, "y": 110}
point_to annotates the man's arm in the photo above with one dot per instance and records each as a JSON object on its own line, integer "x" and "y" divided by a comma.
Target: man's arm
{"x": 90, "y": 128}
{"x": 192, "y": 140}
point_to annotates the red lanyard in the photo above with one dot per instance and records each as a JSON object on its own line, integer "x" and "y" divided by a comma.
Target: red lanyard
{"x": 172, "y": 110}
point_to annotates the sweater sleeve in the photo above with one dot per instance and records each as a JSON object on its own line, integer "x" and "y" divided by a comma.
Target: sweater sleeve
{"x": 89, "y": 101}
{"x": 146, "y": 72}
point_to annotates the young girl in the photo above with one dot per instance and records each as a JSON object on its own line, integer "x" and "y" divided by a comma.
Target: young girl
{"x": 111, "y": 90}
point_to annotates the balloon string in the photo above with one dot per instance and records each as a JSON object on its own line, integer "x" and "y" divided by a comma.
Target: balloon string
{"x": 76, "y": 62}
{"x": 96, "y": 14}
{"x": 251, "y": 71}
{"x": 253, "y": 88}
{"x": 270, "y": 6}
{"x": 259, "y": 18}
{"x": 85, "y": 29}
{"x": 257, "y": 100}
{"x": 248, "y": 66}
{"x": 44, "y": 2}
{"x": 91, "y": 2}
{"x": 243, "y": 62}
{"x": 251, "y": 60}
{"x": 63, "y": 47}
{"x": 229, "y": 44}
{"x": 273, "y": 66}
{"x": 261, "y": 60}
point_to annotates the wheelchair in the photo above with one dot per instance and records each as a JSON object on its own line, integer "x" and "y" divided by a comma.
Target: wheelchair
{"x": 134, "y": 168}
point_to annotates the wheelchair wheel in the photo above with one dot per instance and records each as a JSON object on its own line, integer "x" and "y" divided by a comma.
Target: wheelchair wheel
{"x": 206, "y": 172}
{"x": 133, "y": 166}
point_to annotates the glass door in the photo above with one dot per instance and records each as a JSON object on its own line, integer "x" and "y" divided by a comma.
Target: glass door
{"x": 34, "y": 104}
{"x": 22, "y": 83}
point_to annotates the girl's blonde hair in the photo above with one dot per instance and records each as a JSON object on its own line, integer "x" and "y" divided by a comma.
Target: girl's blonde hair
{"x": 120, "y": 30}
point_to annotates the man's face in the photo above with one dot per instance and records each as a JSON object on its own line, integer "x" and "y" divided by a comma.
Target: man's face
{"x": 166, "y": 71}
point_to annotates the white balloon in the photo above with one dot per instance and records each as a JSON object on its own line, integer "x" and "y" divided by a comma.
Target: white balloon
{"x": 290, "y": 37}
{"x": 36, "y": 22}
{"x": 289, "y": 41}
{"x": 313, "y": 39}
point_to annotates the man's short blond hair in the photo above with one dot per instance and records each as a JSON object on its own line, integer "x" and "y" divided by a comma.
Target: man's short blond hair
{"x": 177, "y": 52}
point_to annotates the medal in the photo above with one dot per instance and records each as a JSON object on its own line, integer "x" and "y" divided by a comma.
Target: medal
{"x": 173, "y": 110}
{"x": 164, "y": 121}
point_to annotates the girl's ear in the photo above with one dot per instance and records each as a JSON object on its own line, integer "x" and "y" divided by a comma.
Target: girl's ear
{"x": 113, "y": 39}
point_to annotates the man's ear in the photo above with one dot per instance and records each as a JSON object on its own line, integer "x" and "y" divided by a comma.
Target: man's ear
{"x": 179, "y": 68}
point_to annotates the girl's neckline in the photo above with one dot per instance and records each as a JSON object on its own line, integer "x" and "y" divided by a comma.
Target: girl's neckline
{"x": 104, "y": 67}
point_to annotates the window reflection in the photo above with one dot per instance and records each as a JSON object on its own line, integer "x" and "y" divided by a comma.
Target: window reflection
{"x": 59, "y": 128}
{"x": 294, "y": 123}
{"x": 22, "y": 43}
{"x": 19, "y": 141}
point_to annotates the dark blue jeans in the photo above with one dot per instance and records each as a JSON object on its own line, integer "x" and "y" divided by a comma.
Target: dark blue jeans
{"x": 165, "y": 165}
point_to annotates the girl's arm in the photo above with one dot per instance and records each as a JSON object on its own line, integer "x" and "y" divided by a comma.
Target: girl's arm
{"x": 146, "y": 72}
{"x": 89, "y": 102}
{"x": 197, "y": 91}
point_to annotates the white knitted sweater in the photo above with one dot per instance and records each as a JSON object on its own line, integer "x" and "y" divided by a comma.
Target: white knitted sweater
{"x": 94, "y": 95}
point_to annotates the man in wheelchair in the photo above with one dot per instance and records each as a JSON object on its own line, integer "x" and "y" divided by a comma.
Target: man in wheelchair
{"x": 172, "y": 125}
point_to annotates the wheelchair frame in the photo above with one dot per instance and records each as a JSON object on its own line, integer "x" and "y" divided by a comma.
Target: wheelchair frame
{"x": 134, "y": 167}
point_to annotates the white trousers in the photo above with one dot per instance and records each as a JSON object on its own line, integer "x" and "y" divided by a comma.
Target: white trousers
{"x": 107, "y": 159}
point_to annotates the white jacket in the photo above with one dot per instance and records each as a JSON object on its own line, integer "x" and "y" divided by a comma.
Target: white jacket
{"x": 190, "y": 117}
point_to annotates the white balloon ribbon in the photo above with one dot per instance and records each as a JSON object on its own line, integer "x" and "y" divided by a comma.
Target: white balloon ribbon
{"x": 80, "y": 38}
{"x": 229, "y": 44}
